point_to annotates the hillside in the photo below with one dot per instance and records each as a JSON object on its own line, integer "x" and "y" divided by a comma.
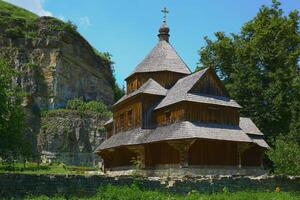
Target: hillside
{"x": 56, "y": 64}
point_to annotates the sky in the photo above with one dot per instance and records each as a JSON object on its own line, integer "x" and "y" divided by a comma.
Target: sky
{"x": 128, "y": 29}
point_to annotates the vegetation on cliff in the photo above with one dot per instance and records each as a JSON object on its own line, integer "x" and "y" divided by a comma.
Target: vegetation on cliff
{"x": 260, "y": 68}
{"x": 18, "y": 23}
{"x": 12, "y": 140}
{"x": 77, "y": 128}
{"x": 44, "y": 51}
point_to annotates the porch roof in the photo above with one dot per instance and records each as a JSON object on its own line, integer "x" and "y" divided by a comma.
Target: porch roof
{"x": 176, "y": 131}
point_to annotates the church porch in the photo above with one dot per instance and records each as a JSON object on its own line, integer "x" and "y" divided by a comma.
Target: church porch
{"x": 191, "y": 155}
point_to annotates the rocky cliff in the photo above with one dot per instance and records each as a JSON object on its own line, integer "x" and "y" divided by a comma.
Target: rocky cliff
{"x": 56, "y": 64}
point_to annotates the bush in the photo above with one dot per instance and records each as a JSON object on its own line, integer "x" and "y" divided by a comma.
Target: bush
{"x": 94, "y": 106}
{"x": 285, "y": 156}
{"x": 16, "y": 32}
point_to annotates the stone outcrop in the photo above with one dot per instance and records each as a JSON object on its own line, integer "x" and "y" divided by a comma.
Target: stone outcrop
{"x": 56, "y": 64}
{"x": 72, "y": 135}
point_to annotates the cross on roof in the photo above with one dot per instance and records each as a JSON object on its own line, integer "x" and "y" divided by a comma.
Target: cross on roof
{"x": 165, "y": 11}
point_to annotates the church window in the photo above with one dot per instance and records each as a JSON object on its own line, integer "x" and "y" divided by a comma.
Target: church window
{"x": 122, "y": 121}
{"x": 168, "y": 116}
{"x": 130, "y": 118}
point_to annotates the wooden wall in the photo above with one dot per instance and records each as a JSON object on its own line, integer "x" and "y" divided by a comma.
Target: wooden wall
{"x": 161, "y": 153}
{"x": 201, "y": 152}
{"x": 213, "y": 152}
{"x": 149, "y": 102}
{"x": 252, "y": 156}
{"x": 109, "y": 130}
{"x": 165, "y": 79}
{"x": 198, "y": 112}
{"x": 119, "y": 157}
{"x": 209, "y": 84}
{"x": 128, "y": 116}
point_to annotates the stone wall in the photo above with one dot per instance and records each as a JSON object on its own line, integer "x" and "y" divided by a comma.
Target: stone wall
{"x": 18, "y": 185}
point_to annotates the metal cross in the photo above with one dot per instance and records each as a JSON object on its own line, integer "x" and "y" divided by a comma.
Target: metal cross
{"x": 165, "y": 11}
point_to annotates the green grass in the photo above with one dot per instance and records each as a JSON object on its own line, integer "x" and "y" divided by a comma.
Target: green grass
{"x": 134, "y": 192}
{"x": 16, "y": 12}
{"x": 33, "y": 168}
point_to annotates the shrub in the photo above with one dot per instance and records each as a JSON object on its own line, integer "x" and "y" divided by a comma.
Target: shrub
{"x": 285, "y": 156}
{"x": 16, "y": 32}
{"x": 94, "y": 106}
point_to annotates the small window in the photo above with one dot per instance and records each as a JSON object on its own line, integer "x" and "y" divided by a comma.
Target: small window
{"x": 122, "y": 121}
{"x": 130, "y": 118}
{"x": 168, "y": 116}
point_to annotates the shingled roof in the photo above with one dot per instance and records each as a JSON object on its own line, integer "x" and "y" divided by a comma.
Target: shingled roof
{"x": 180, "y": 130}
{"x": 249, "y": 127}
{"x": 150, "y": 87}
{"x": 108, "y": 122}
{"x": 180, "y": 92}
{"x": 163, "y": 57}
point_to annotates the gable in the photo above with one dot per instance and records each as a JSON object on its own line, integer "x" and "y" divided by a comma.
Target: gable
{"x": 209, "y": 84}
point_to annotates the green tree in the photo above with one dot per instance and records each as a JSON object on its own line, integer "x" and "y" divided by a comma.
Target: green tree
{"x": 285, "y": 156}
{"x": 259, "y": 67}
{"x": 12, "y": 141}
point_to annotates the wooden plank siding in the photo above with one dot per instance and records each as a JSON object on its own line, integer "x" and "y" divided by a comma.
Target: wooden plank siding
{"x": 149, "y": 102}
{"x": 161, "y": 153}
{"x": 121, "y": 156}
{"x": 252, "y": 156}
{"x": 109, "y": 130}
{"x": 209, "y": 84}
{"x": 165, "y": 79}
{"x": 213, "y": 152}
{"x": 197, "y": 112}
{"x": 128, "y": 116}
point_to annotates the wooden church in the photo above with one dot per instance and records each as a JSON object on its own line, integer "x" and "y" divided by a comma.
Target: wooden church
{"x": 173, "y": 118}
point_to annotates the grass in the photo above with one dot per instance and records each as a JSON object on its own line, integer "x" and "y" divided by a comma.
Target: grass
{"x": 54, "y": 168}
{"x": 15, "y": 11}
{"x": 134, "y": 192}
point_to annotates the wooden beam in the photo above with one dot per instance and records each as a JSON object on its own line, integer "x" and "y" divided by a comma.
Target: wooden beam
{"x": 182, "y": 146}
{"x": 241, "y": 148}
{"x": 139, "y": 150}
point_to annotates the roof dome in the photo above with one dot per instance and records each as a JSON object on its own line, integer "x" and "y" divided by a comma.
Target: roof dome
{"x": 164, "y": 32}
{"x": 164, "y": 28}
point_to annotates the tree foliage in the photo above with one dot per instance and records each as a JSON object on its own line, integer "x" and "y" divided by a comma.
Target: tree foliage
{"x": 12, "y": 115}
{"x": 260, "y": 68}
{"x": 285, "y": 156}
{"x": 94, "y": 106}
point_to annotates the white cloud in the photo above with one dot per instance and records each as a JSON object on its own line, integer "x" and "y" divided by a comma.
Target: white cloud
{"x": 35, "y": 6}
{"x": 84, "y": 21}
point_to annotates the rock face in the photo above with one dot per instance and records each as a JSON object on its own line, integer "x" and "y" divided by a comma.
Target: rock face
{"x": 56, "y": 64}
{"x": 71, "y": 135}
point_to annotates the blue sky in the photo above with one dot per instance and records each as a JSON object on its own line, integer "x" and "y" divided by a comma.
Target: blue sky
{"x": 128, "y": 29}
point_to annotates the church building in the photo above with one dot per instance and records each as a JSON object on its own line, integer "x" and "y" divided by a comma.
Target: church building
{"x": 172, "y": 118}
